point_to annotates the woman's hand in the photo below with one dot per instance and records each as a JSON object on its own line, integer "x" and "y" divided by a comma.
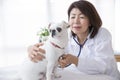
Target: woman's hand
{"x": 67, "y": 59}
{"x": 35, "y": 52}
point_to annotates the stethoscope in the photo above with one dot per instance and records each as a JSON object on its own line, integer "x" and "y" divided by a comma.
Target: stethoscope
{"x": 80, "y": 48}
{"x": 80, "y": 45}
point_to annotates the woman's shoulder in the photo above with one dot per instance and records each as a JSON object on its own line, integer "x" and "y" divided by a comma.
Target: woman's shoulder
{"x": 103, "y": 34}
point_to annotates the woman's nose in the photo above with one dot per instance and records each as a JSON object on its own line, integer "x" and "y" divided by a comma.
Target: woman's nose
{"x": 77, "y": 20}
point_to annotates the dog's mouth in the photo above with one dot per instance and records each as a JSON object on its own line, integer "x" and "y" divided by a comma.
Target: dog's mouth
{"x": 54, "y": 35}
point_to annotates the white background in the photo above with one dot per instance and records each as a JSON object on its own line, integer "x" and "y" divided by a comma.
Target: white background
{"x": 20, "y": 20}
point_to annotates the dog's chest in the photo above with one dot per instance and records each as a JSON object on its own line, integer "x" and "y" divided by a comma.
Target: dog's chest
{"x": 52, "y": 51}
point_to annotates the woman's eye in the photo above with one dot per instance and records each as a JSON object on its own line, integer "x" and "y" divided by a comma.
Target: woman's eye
{"x": 82, "y": 17}
{"x": 72, "y": 17}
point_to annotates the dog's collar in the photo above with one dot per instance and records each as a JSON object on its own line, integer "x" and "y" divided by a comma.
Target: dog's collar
{"x": 56, "y": 45}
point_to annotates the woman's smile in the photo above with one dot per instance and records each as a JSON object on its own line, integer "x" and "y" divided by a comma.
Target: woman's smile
{"x": 76, "y": 27}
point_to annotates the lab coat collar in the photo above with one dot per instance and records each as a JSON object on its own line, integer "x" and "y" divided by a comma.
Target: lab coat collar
{"x": 89, "y": 40}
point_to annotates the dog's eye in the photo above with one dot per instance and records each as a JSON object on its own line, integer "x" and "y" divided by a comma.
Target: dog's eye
{"x": 59, "y": 29}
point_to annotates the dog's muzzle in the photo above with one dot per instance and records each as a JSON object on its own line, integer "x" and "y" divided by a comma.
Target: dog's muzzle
{"x": 53, "y": 33}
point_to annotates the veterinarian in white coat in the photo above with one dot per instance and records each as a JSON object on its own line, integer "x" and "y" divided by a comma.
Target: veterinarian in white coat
{"x": 89, "y": 49}
{"x": 95, "y": 55}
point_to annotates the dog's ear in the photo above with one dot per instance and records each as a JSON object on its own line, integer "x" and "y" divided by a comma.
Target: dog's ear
{"x": 65, "y": 24}
{"x": 49, "y": 25}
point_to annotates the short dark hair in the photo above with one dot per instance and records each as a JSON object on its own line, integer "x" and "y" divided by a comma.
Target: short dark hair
{"x": 88, "y": 10}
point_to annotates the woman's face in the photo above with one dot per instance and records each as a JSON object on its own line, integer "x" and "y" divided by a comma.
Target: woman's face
{"x": 79, "y": 23}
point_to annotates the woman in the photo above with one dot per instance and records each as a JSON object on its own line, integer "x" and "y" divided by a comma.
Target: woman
{"x": 89, "y": 49}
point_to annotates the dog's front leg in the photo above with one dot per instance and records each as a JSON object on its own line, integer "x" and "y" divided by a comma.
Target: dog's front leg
{"x": 55, "y": 72}
{"x": 49, "y": 73}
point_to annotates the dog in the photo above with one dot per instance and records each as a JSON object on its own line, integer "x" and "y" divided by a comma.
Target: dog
{"x": 54, "y": 47}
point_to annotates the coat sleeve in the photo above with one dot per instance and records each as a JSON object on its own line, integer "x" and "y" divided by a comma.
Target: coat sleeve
{"x": 103, "y": 60}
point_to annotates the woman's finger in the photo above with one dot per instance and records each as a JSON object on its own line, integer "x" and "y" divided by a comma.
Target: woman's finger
{"x": 34, "y": 60}
{"x": 38, "y": 44}
{"x": 62, "y": 63}
{"x": 42, "y": 50}
{"x": 40, "y": 57}
{"x": 37, "y": 47}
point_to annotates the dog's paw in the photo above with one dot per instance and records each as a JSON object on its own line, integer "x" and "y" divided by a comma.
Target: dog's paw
{"x": 57, "y": 76}
{"x": 42, "y": 76}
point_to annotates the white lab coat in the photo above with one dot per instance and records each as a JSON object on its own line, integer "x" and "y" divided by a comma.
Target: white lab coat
{"x": 96, "y": 56}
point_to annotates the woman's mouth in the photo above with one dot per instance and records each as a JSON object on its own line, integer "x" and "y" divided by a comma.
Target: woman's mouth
{"x": 77, "y": 27}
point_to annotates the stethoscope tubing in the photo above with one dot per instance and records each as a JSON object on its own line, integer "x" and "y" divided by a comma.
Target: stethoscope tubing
{"x": 80, "y": 46}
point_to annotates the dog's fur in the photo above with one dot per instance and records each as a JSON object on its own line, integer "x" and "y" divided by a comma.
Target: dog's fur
{"x": 54, "y": 48}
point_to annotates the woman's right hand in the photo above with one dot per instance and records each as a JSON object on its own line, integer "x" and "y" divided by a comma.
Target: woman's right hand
{"x": 35, "y": 52}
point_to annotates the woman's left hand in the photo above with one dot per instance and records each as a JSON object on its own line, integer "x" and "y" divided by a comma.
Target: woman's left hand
{"x": 68, "y": 59}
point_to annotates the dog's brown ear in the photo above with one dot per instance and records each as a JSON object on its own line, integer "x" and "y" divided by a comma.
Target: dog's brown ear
{"x": 66, "y": 24}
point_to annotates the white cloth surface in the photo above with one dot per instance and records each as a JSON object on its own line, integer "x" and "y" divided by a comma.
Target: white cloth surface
{"x": 10, "y": 73}
{"x": 68, "y": 75}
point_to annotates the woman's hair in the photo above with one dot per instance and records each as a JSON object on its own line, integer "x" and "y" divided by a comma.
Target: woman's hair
{"x": 89, "y": 11}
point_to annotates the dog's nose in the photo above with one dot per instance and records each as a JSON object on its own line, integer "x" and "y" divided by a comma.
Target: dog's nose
{"x": 53, "y": 32}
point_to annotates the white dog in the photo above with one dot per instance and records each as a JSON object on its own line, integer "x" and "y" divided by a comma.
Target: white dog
{"x": 54, "y": 48}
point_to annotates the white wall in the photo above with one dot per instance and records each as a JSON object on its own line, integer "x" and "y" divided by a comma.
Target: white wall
{"x": 21, "y": 19}
{"x": 117, "y": 26}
